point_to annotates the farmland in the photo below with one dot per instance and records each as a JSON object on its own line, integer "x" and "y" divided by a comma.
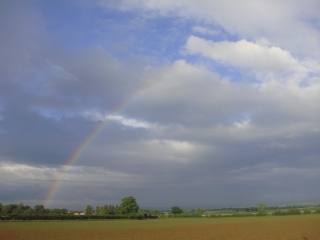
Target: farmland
{"x": 269, "y": 227}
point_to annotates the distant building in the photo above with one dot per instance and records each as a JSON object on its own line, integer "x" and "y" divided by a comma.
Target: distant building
{"x": 82, "y": 213}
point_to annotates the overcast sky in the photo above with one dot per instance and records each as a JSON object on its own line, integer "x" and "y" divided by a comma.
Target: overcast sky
{"x": 208, "y": 103}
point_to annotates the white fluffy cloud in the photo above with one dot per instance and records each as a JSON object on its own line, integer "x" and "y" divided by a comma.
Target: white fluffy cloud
{"x": 292, "y": 24}
{"x": 243, "y": 54}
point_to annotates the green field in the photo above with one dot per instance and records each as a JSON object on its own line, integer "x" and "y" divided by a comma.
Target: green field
{"x": 270, "y": 227}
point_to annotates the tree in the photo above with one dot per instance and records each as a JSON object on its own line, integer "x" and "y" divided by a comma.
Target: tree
{"x": 57, "y": 212}
{"x": 5, "y": 210}
{"x": 176, "y": 210}
{"x": 117, "y": 209}
{"x": 262, "y": 209}
{"x": 128, "y": 205}
{"x": 39, "y": 210}
{"x": 88, "y": 210}
{"x": 8, "y": 209}
{"x": 97, "y": 212}
{"x": 111, "y": 209}
{"x": 201, "y": 211}
{"x": 29, "y": 211}
{"x": 104, "y": 210}
{"x": 20, "y": 209}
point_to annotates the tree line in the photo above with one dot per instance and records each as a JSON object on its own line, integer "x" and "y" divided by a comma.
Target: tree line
{"x": 128, "y": 209}
{"x": 20, "y": 209}
{"x": 128, "y": 205}
{"x": 261, "y": 210}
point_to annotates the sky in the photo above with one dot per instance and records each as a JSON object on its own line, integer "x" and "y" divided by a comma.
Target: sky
{"x": 201, "y": 103}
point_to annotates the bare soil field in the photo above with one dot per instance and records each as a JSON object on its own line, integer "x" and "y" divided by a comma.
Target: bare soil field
{"x": 255, "y": 228}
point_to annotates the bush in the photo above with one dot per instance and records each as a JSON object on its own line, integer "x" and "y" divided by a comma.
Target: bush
{"x": 262, "y": 209}
{"x": 307, "y": 211}
{"x": 279, "y": 213}
{"x": 317, "y": 210}
{"x": 293, "y": 211}
{"x": 243, "y": 215}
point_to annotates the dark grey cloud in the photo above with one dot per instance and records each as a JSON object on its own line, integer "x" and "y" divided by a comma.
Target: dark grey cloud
{"x": 23, "y": 193}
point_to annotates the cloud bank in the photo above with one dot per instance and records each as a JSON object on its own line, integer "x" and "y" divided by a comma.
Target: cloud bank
{"x": 200, "y": 109}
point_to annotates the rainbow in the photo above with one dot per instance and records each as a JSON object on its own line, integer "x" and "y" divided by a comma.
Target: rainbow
{"x": 88, "y": 140}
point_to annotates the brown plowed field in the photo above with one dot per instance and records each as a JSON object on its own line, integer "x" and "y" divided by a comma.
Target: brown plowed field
{"x": 255, "y": 228}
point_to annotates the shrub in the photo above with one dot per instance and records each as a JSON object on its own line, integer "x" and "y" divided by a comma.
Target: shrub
{"x": 293, "y": 211}
{"x": 279, "y": 213}
{"x": 306, "y": 211}
{"x": 317, "y": 210}
{"x": 262, "y": 209}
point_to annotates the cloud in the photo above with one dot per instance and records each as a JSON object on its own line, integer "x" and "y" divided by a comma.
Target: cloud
{"x": 267, "y": 171}
{"x": 123, "y": 120}
{"x": 205, "y": 31}
{"x": 61, "y": 73}
{"x": 290, "y": 25}
{"x": 218, "y": 120}
{"x": 243, "y": 54}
